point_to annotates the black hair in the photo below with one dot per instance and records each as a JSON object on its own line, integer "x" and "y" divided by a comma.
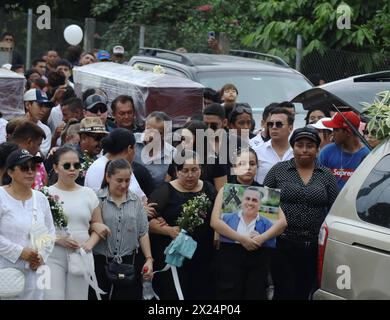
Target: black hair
{"x": 61, "y": 151}
{"x": 246, "y": 108}
{"x": 56, "y": 79}
{"x": 112, "y": 167}
{"x": 16, "y": 66}
{"x": 68, "y": 94}
{"x": 74, "y": 104}
{"x": 64, "y": 62}
{"x": 121, "y": 99}
{"x": 212, "y": 95}
{"x": 7, "y": 33}
{"x": 27, "y": 130}
{"x": 226, "y": 87}
{"x": 267, "y": 110}
{"x": 36, "y": 61}
{"x": 185, "y": 155}
{"x": 283, "y": 110}
{"x": 30, "y": 72}
{"x": 5, "y": 149}
{"x": 40, "y": 83}
{"x": 117, "y": 141}
{"x": 248, "y": 149}
{"x": 215, "y": 109}
{"x": 73, "y": 53}
{"x": 323, "y": 110}
{"x": 196, "y": 117}
{"x": 286, "y": 104}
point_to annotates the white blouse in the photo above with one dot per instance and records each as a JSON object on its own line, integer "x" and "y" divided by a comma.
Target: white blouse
{"x": 15, "y": 223}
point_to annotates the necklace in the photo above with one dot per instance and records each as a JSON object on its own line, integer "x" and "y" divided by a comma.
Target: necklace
{"x": 342, "y": 165}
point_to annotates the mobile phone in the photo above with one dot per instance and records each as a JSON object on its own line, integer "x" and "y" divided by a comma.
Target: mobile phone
{"x": 210, "y": 34}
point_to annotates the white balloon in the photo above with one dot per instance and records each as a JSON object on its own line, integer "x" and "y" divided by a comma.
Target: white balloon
{"x": 73, "y": 34}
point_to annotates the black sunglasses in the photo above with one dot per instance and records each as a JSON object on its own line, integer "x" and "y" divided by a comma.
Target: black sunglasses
{"x": 27, "y": 166}
{"x": 278, "y": 124}
{"x": 99, "y": 107}
{"x": 67, "y": 165}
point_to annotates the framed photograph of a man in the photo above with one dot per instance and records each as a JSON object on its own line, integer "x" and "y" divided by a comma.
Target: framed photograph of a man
{"x": 248, "y": 209}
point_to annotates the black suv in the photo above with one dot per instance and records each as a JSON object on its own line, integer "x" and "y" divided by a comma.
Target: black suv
{"x": 259, "y": 82}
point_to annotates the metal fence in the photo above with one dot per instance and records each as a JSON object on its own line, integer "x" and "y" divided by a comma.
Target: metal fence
{"x": 332, "y": 65}
{"x": 337, "y": 64}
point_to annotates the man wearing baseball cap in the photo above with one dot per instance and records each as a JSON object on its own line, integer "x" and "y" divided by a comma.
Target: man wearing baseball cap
{"x": 36, "y": 104}
{"x": 118, "y": 54}
{"x": 346, "y": 153}
{"x": 95, "y": 105}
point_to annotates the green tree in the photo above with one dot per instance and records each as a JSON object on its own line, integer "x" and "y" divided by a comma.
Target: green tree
{"x": 316, "y": 21}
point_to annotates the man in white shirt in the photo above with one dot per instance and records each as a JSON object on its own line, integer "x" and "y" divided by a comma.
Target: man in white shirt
{"x": 263, "y": 135}
{"x": 36, "y": 104}
{"x": 95, "y": 173}
{"x": 280, "y": 126}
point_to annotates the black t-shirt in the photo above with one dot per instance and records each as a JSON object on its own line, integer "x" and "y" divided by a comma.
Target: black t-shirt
{"x": 143, "y": 177}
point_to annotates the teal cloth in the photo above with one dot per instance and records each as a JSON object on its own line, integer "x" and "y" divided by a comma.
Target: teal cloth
{"x": 179, "y": 249}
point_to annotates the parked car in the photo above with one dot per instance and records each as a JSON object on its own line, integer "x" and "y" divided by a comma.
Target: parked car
{"x": 259, "y": 82}
{"x": 354, "y": 251}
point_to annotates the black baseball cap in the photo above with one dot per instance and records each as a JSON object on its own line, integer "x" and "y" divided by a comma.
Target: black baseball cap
{"x": 20, "y": 156}
{"x": 305, "y": 132}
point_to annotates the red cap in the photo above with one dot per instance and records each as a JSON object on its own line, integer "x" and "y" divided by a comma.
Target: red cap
{"x": 338, "y": 121}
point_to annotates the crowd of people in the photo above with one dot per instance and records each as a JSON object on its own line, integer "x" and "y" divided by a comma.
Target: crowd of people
{"x": 120, "y": 195}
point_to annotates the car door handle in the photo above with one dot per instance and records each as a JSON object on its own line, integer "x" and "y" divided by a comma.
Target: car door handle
{"x": 363, "y": 246}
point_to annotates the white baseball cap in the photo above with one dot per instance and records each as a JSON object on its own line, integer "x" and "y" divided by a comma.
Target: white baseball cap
{"x": 118, "y": 50}
{"x": 320, "y": 126}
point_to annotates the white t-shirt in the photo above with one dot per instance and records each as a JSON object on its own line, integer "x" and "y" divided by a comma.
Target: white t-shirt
{"x": 78, "y": 207}
{"x": 46, "y": 143}
{"x": 3, "y": 133}
{"x": 55, "y": 118}
{"x": 95, "y": 175}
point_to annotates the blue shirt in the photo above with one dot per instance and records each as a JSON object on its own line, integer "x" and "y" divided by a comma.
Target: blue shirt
{"x": 341, "y": 163}
{"x": 261, "y": 226}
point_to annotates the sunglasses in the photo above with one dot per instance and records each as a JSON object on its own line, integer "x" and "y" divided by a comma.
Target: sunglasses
{"x": 242, "y": 109}
{"x": 99, "y": 107}
{"x": 26, "y": 167}
{"x": 67, "y": 165}
{"x": 277, "y": 124}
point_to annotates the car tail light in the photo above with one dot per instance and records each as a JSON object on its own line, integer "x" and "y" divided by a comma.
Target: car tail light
{"x": 322, "y": 239}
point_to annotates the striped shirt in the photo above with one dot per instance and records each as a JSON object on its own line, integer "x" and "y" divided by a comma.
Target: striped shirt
{"x": 128, "y": 223}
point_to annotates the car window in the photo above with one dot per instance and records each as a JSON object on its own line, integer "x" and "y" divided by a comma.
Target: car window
{"x": 373, "y": 199}
{"x": 257, "y": 89}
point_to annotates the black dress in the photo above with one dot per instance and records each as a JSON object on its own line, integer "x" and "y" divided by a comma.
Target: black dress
{"x": 196, "y": 279}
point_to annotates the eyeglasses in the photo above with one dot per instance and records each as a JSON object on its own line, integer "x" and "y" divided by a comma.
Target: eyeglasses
{"x": 26, "y": 167}
{"x": 99, "y": 107}
{"x": 278, "y": 124}
{"x": 67, "y": 165}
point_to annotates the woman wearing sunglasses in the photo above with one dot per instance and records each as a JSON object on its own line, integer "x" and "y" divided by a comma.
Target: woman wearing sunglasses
{"x": 21, "y": 209}
{"x": 81, "y": 207}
